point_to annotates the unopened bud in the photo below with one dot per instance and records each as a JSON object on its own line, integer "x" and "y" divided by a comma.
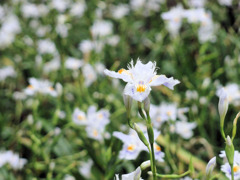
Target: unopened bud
{"x": 128, "y": 103}
{"x": 223, "y": 104}
{"x": 210, "y": 166}
{"x": 145, "y": 165}
{"x": 146, "y": 103}
{"x": 235, "y": 126}
{"x": 140, "y": 134}
{"x": 229, "y": 149}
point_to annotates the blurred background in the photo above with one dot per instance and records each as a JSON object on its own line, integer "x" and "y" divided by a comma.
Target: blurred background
{"x": 52, "y": 57}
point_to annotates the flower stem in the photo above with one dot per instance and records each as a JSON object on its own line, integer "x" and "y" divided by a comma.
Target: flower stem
{"x": 151, "y": 140}
{"x": 232, "y": 172}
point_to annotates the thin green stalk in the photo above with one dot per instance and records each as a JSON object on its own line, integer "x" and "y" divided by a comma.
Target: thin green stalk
{"x": 151, "y": 140}
{"x": 173, "y": 176}
{"x": 232, "y": 172}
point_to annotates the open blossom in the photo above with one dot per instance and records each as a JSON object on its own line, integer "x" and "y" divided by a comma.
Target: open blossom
{"x": 13, "y": 159}
{"x": 85, "y": 168}
{"x": 233, "y": 92}
{"x": 95, "y": 121}
{"x": 140, "y": 78}
{"x": 73, "y": 63}
{"x": 40, "y": 86}
{"x": 185, "y": 129}
{"x": 132, "y": 145}
{"x": 226, "y": 168}
{"x": 7, "y": 71}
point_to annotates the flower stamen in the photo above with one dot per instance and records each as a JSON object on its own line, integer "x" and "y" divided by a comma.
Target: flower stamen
{"x": 131, "y": 147}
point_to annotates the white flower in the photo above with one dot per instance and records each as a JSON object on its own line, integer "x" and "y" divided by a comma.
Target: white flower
{"x": 46, "y": 46}
{"x": 101, "y": 28}
{"x": 233, "y": 93}
{"x": 132, "y": 145}
{"x": 6, "y": 72}
{"x": 95, "y": 121}
{"x": 174, "y": 19}
{"x": 119, "y": 11}
{"x": 13, "y": 159}
{"x": 60, "y": 5}
{"x": 78, "y": 8}
{"x": 196, "y": 3}
{"x": 68, "y": 177}
{"x": 89, "y": 74}
{"x": 30, "y": 10}
{"x": 86, "y": 46}
{"x": 40, "y": 86}
{"x": 185, "y": 129}
{"x": 73, "y": 63}
{"x": 210, "y": 166}
{"x": 85, "y": 168}
{"x": 135, "y": 175}
{"x": 223, "y": 103}
{"x": 52, "y": 65}
{"x": 140, "y": 78}
{"x": 225, "y": 2}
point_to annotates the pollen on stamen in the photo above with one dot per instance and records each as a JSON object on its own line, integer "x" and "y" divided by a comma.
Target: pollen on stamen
{"x": 80, "y": 117}
{"x": 236, "y": 168}
{"x": 121, "y": 71}
{"x": 158, "y": 148}
{"x": 141, "y": 87}
{"x": 30, "y": 86}
{"x": 130, "y": 148}
{"x": 95, "y": 133}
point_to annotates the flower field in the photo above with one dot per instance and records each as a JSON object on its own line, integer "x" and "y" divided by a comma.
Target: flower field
{"x": 138, "y": 89}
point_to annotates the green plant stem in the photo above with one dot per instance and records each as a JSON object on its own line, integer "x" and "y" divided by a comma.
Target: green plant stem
{"x": 173, "y": 176}
{"x": 222, "y": 128}
{"x": 232, "y": 172}
{"x": 151, "y": 140}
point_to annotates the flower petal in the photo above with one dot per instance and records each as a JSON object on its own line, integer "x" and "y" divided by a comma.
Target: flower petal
{"x": 163, "y": 80}
{"x": 130, "y": 90}
{"x": 124, "y": 76}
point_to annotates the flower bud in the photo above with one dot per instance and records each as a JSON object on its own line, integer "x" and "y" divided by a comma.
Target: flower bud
{"x": 146, "y": 103}
{"x": 235, "y": 126}
{"x": 223, "y": 104}
{"x": 145, "y": 165}
{"x": 140, "y": 134}
{"x": 210, "y": 166}
{"x": 229, "y": 149}
{"x": 128, "y": 103}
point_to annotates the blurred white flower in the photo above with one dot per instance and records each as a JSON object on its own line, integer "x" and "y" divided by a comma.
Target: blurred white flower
{"x": 6, "y": 72}
{"x": 17, "y": 95}
{"x": 78, "y": 8}
{"x": 191, "y": 95}
{"x": 196, "y": 3}
{"x": 95, "y": 121}
{"x": 113, "y": 40}
{"x": 85, "y": 168}
{"x": 101, "y": 28}
{"x": 52, "y": 65}
{"x": 135, "y": 175}
{"x": 13, "y": 159}
{"x": 73, "y": 63}
{"x": 46, "y": 46}
{"x": 30, "y": 10}
{"x": 40, "y": 86}
{"x": 140, "y": 78}
{"x": 60, "y": 5}
{"x": 89, "y": 74}
{"x": 41, "y": 30}
{"x": 86, "y": 46}
{"x": 132, "y": 145}
{"x": 100, "y": 67}
{"x": 120, "y": 11}
{"x": 174, "y": 19}
{"x": 68, "y": 177}
{"x": 225, "y": 2}
{"x": 233, "y": 93}
{"x": 185, "y": 129}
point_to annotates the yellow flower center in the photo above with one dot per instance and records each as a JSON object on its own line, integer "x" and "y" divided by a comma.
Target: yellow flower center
{"x": 131, "y": 147}
{"x": 51, "y": 88}
{"x": 169, "y": 113}
{"x": 100, "y": 115}
{"x": 157, "y": 147}
{"x": 236, "y": 168}
{"x": 95, "y": 133}
{"x": 141, "y": 87}
{"x": 81, "y": 117}
{"x": 30, "y": 86}
{"x": 121, "y": 71}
